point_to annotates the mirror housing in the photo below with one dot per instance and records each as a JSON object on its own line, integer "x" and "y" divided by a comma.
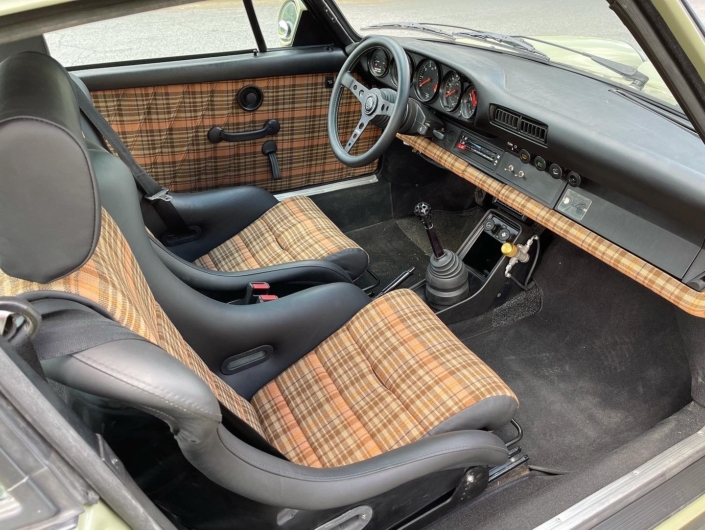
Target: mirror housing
{"x": 290, "y": 14}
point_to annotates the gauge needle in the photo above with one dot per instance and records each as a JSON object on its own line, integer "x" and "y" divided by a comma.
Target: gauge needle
{"x": 448, "y": 94}
{"x": 427, "y": 80}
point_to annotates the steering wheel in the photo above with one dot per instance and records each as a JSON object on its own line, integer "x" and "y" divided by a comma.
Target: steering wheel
{"x": 374, "y": 103}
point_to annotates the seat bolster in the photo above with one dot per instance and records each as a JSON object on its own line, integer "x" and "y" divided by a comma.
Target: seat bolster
{"x": 220, "y": 214}
{"x": 267, "y": 479}
{"x": 142, "y": 375}
{"x": 306, "y": 273}
{"x": 491, "y": 413}
{"x": 354, "y": 261}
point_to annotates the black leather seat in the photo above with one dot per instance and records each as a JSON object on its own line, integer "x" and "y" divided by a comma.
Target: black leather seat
{"x": 350, "y": 399}
{"x": 247, "y": 235}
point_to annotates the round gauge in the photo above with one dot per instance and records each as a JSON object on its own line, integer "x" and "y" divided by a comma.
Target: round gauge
{"x": 451, "y": 89}
{"x": 395, "y": 74}
{"x": 379, "y": 62}
{"x": 468, "y": 105}
{"x": 427, "y": 80}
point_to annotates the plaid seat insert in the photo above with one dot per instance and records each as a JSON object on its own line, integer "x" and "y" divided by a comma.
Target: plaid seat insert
{"x": 385, "y": 379}
{"x": 293, "y": 230}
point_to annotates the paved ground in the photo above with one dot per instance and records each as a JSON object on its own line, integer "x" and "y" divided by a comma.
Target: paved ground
{"x": 221, "y": 25}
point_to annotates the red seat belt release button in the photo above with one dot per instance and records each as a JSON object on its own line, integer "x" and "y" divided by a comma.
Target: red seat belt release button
{"x": 255, "y": 289}
{"x": 266, "y": 298}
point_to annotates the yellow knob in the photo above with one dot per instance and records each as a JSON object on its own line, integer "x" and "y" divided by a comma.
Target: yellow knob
{"x": 510, "y": 249}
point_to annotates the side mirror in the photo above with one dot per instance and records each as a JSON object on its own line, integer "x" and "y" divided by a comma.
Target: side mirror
{"x": 289, "y": 17}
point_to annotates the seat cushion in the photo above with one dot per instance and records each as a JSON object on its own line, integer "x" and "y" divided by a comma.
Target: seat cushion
{"x": 388, "y": 377}
{"x": 293, "y": 230}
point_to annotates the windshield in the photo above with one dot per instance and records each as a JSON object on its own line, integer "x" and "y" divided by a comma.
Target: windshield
{"x": 581, "y": 34}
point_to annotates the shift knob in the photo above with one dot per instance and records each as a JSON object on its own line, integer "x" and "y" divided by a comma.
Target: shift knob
{"x": 423, "y": 212}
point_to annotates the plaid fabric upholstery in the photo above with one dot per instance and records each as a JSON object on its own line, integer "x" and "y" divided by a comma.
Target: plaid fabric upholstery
{"x": 165, "y": 128}
{"x": 655, "y": 279}
{"x": 113, "y": 280}
{"x": 293, "y": 230}
{"x": 386, "y": 378}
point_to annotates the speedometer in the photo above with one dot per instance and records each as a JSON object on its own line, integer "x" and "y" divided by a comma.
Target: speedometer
{"x": 451, "y": 89}
{"x": 427, "y": 79}
{"x": 468, "y": 105}
{"x": 379, "y": 62}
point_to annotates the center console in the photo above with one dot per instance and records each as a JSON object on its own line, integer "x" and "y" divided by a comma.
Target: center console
{"x": 485, "y": 265}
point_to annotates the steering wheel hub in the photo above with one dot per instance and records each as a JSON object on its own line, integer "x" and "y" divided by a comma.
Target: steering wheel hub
{"x": 371, "y": 104}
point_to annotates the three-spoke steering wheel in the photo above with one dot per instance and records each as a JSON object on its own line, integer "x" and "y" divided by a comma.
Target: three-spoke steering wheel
{"x": 374, "y": 103}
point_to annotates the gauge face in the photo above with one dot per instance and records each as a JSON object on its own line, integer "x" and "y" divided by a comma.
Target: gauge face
{"x": 427, "y": 80}
{"x": 395, "y": 73}
{"x": 379, "y": 62}
{"x": 451, "y": 90}
{"x": 468, "y": 105}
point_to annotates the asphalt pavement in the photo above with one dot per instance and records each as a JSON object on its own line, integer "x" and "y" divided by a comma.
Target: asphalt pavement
{"x": 217, "y": 26}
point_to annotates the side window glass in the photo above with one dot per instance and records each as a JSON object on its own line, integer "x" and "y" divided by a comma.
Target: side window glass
{"x": 200, "y": 28}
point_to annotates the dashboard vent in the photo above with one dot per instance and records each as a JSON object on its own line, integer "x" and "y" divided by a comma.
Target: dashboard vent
{"x": 527, "y": 127}
{"x": 533, "y": 129}
{"x": 506, "y": 117}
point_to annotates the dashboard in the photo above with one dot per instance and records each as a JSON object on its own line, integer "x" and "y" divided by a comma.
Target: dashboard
{"x": 579, "y": 146}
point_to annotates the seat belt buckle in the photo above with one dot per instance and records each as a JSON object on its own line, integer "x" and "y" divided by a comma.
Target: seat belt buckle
{"x": 254, "y": 291}
{"x": 161, "y": 195}
{"x": 266, "y": 298}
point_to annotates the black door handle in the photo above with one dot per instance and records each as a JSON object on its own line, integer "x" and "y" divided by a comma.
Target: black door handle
{"x": 217, "y": 134}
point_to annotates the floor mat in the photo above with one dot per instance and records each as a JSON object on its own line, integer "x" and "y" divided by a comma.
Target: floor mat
{"x": 391, "y": 253}
{"x": 452, "y": 227}
{"x": 602, "y": 361}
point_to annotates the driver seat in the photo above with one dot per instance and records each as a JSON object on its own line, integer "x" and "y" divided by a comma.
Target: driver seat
{"x": 248, "y": 232}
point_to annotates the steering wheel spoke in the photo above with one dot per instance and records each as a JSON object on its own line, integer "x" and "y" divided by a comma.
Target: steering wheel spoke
{"x": 386, "y": 108}
{"x": 359, "y": 90}
{"x": 359, "y": 129}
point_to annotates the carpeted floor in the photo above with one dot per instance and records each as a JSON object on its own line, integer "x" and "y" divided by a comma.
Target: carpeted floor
{"x": 602, "y": 362}
{"x": 391, "y": 253}
{"x": 452, "y": 228}
{"x": 397, "y": 245}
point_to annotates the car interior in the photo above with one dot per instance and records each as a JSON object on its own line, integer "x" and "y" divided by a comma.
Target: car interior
{"x": 394, "y": 283}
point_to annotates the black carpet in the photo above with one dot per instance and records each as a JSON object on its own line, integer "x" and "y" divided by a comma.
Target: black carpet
{"x": 391, "y": 253}
{"x": 452, "y": 228}
{"x": 535, "y": 498}
{"x": 602, "y": 362}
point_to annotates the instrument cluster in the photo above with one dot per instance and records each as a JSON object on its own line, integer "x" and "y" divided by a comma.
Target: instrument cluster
{"x": 436, "y": 85}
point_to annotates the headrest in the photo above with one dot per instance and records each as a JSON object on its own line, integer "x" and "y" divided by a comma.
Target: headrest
{"x": 49, "y": 205}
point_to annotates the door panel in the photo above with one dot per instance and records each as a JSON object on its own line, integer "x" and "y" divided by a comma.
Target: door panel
{"x": 166, "y": 128}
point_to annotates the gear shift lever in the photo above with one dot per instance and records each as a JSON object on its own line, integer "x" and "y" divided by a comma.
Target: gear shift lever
{"x": 423, "y": 212}
{"x": 446, "y": 277}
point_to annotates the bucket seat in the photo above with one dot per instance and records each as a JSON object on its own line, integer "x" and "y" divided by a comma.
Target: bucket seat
{"x": 348, "y": 399}
{"x": 244, "y": 234}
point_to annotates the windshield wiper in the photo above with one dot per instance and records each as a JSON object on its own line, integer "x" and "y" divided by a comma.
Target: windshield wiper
{"x": 507, "y": 41}
{"x": 629, "y": 73}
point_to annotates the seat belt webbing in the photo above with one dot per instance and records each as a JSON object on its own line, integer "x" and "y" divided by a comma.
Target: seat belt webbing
{"x": 154, "y": 193}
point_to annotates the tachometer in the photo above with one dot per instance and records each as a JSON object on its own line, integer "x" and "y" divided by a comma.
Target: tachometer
{"x": 468, "y": 105}
{"x": 451, "y": 89}
{"x": 427, "y": 79}
{"x": 379, "y": 62}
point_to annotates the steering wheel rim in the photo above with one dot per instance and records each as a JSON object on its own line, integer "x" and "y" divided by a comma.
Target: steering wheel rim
{"x": 373, "y": 103}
